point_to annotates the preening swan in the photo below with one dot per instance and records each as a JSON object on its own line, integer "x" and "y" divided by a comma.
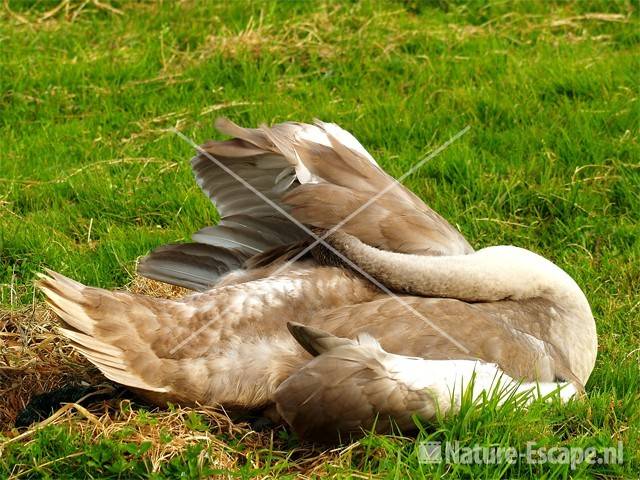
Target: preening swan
{"x": 389, "y": 318}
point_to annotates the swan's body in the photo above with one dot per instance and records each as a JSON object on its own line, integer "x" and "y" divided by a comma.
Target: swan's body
{"x": 498, "y": 311}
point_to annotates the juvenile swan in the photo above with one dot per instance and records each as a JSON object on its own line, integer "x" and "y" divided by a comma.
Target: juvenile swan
{"x": 314, "y": 330}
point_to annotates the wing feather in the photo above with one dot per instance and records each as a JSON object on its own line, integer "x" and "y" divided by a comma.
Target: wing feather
{"x": 320, "y": 174}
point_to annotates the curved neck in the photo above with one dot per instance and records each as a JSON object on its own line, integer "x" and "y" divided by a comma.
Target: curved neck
{"x": 490, "y": 274}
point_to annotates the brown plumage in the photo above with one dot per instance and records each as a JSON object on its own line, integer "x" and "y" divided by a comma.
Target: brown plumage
{"x": 354, "y": 356}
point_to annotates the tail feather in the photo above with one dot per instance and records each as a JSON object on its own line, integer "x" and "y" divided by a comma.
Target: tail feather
{"x": 89, "y": 342}
{"x": 109, "y": 360}
{"x": 65, "y": 298}
{"x": 81, "y": 308}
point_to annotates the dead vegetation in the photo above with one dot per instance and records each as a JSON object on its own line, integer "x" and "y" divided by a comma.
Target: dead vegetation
{"x": 34, "y": 358}
{"x": 326, "y": 34}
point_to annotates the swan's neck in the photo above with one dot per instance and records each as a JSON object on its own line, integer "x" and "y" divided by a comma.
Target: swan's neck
{"x": 489, "y": 275}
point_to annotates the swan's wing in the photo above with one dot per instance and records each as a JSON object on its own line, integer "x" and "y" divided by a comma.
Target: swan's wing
{"x": 350, "y": 386}
{"x": 343, "y": 178}
{"x": 515, "y": 335}
{"x": 355, "y": 385}
{"x": 195, "y": 266}
{"x": 248, "y": 225}
{"x": 319, "y": 173}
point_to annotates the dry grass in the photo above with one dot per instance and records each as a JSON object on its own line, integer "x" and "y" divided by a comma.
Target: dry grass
{"x": 35, "y": 358}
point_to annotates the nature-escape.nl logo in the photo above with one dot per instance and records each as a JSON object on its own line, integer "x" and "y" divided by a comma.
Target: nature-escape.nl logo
{"x": 453, "y": 452}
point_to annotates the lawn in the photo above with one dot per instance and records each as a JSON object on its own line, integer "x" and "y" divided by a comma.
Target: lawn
{"x": 92, "y": 176}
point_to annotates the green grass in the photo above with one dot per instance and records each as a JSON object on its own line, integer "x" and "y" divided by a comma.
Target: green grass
{"x": 91, "y": 176}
